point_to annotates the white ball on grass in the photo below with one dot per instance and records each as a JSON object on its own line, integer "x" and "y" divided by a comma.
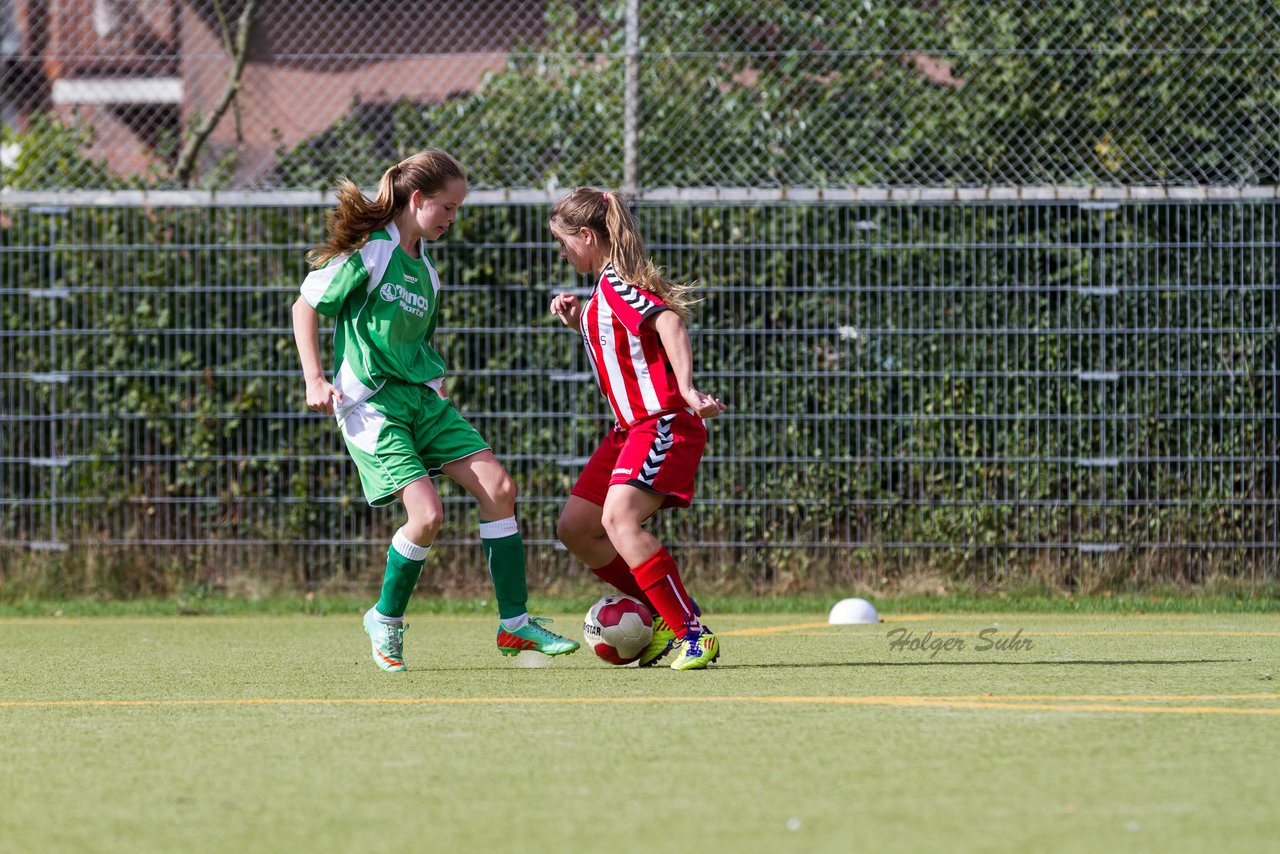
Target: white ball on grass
{"x": 850, "y": 611}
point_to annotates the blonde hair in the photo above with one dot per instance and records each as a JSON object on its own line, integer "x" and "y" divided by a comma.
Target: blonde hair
{"x": 356, "y": 217}
{"x": 606, "y": 214}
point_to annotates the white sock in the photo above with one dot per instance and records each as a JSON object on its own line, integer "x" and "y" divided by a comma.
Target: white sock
{"x": 499, "y": 528}
{"x": 390, "y": 621}
{"x": 513, "y": 623}
{"x": 408, "y": 548}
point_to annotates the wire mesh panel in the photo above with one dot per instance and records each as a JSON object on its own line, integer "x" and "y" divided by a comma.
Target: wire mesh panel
{"x": 1077, "y": 391}
{"x": 534, "y": 93}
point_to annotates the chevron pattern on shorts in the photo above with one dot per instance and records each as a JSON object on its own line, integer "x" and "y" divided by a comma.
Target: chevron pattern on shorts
{"x": 657, "y": 451}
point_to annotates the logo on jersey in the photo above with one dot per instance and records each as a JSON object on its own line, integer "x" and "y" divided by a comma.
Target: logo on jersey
{"x": 409, "y": 301}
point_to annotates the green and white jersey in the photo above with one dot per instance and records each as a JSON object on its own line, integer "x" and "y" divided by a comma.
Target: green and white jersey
{"x": 385, "y": 303}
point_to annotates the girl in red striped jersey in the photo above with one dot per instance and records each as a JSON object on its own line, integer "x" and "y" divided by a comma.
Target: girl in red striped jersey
{"x": 633, "y": 327}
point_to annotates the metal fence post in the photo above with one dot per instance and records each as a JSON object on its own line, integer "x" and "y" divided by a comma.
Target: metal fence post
{"x": 631, "y": 107}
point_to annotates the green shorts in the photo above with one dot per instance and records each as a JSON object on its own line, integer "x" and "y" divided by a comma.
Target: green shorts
{"x": 403, "y": 433}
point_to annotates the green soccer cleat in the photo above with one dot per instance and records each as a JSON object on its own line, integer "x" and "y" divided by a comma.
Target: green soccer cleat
{"x": 388, "y": 643}
{"x": 533, "y": 636}
{"x": 696, "y": 650}
{"x": 664, "y": 638}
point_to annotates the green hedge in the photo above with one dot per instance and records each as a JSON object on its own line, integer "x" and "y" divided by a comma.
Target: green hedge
{"x": 846, "y": 94}
{"x": 909, "y": 387}
{"x": 822, "y": 93}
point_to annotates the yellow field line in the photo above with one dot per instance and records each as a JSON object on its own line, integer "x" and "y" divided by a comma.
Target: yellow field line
{"x": 1012, "y": 698}
{"x": 1033, "y": 702}
{"x": 1034, "y": 633}
{"x": 799, "y": 627}
{"x": 1104, "y": 707}
{"x": 770, "y": 630}
{"x": 1158, "y": 634}
{"x": 1049, "y": 615}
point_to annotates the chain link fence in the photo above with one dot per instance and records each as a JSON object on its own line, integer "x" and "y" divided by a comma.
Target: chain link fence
{"x": 644, "y": 94}
{"x": 991, "y": 289}
{"x": 1082, "y": 393}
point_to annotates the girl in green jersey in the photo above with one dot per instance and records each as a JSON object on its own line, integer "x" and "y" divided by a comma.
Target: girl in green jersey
{"x": 374, "y": 278}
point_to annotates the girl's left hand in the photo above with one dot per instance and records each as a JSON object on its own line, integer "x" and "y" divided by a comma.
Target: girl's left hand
{"x": 704, "y": 405}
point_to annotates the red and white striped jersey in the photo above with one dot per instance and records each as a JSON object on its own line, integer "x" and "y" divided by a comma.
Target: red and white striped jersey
{"x": 626, "y": 354}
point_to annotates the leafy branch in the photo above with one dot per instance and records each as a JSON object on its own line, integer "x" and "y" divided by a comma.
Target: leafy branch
{"x": 239, "y": 52}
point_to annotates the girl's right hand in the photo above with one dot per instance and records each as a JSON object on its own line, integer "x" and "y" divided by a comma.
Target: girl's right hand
{"x": 704, "y": 405}
{"x": 567, "y": 308}
{"x": 321, "y": 395}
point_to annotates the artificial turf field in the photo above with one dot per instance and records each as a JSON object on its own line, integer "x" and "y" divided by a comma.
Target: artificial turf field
{"x": 277, "y": 733}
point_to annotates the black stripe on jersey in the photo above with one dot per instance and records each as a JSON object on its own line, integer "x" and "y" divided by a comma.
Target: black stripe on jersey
{"x": 657, "y": 451}
{"x": 631, "y": 295}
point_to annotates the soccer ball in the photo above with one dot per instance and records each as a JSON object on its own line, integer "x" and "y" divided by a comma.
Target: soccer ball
{"x": 618, "y": 628}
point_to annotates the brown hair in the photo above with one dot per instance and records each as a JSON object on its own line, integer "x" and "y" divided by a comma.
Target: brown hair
{"x": 355, "y": 217}
{"x": 607, "y": 214}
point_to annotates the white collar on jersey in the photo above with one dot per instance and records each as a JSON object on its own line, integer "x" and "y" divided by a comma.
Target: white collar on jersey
{"x": 395, "y": 238}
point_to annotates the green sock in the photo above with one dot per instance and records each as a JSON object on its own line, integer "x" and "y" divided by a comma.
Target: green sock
{"x": 504, "y": 552}
{"x": 404, "y": 566}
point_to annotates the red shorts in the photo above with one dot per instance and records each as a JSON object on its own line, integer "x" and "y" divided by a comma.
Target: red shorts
{"x": 658, "y": 455}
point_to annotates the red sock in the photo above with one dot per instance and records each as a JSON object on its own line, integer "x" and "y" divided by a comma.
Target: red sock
{"x": 659, "y": 576}
{"x": 618, "y": 574}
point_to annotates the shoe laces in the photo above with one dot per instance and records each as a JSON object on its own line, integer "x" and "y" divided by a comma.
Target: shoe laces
{"x": 694, "y": 640}
{"x": 395, "y": 637}
{"x": 539, "y": 626}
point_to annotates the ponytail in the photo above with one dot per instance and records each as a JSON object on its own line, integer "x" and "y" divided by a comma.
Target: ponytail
{"x": 356, "y": 217}
{"x": 607, "y": 214}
